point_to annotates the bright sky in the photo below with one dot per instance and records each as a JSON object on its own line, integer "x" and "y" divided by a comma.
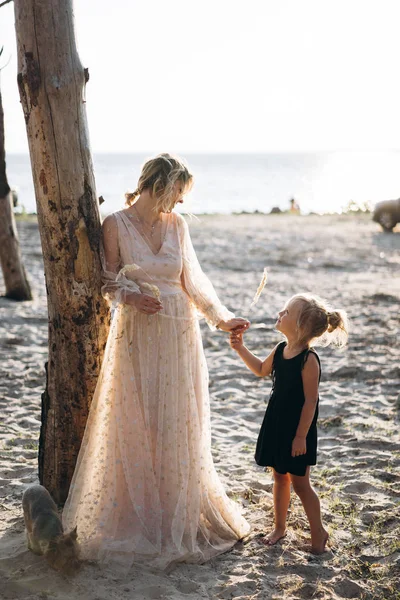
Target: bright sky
{"x": 229, "y": 75}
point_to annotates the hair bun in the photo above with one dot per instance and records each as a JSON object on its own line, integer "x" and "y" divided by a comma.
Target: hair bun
{"x": 131, "y": 196}
{"x": 335, "y": 320}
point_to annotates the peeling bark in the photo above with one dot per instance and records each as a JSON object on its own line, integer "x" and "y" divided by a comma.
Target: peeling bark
{"x": 51, "y": 82}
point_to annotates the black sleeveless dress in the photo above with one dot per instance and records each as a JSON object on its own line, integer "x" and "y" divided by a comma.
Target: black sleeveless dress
{"x": 274, "y": 445}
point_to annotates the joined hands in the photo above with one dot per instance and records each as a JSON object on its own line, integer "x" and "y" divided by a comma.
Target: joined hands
{"x": 236, "y": 325}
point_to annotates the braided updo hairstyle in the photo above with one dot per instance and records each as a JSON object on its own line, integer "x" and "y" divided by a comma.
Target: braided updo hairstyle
{"x": 318, "y": 323}
{"x": 159, "y": 175}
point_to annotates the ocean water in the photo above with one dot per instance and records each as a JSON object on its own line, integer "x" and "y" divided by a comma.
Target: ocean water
{"x": 226, "y": 183}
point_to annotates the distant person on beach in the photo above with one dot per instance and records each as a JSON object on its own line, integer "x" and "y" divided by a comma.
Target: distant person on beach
{"x": 294, "y": 207}
{"x": 145, "y": 488}
{"x": 287, "y": 441}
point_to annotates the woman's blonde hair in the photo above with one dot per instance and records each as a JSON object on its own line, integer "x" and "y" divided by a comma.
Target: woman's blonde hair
{"x": 159, "y": 175}
{"x": 319, "y": 324}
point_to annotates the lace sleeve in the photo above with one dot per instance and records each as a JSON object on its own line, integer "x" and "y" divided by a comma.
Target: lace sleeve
{"x": 116, "y": 286}
{"x": 196, "y": 284}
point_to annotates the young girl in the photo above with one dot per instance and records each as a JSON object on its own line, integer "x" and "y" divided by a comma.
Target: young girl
{"x": 287, "y": 441}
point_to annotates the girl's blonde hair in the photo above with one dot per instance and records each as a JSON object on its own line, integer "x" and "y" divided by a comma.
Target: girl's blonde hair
{"x": 159, "y": 175}
{"x": 319, "y": 324}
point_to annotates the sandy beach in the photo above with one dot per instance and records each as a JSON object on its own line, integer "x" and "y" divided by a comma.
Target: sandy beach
{"x": 346, "y": 259}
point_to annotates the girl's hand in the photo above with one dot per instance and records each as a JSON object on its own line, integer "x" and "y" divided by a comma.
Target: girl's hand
{"x": 299, "y": 446}
{"x": 236, "y": 340}
{"x": 237, "y": 324}
{"x": 144, "y": 303}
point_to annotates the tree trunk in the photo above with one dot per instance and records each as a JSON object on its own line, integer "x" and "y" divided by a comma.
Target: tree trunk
{"x": 15, "y": 280}
{"x": 51, "y": 83}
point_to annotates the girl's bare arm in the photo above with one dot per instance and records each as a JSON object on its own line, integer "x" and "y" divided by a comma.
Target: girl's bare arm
{"x": 259, "y": 367}
{"x": 310, "y": 376}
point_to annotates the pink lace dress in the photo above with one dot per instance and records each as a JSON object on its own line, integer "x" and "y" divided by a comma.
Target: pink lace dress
{"x": 145, "y": 487}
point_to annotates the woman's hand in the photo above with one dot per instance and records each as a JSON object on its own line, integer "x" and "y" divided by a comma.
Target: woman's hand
{"x": 237, "y": 324}
{"x": 236, "y": 340}
{"x": 299, "y": 446}
{"x": 144, "y": 303}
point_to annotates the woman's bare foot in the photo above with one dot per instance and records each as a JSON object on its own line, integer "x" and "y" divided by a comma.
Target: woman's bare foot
{"x": 319, "y": 546}
{"x": 274, "y": 537}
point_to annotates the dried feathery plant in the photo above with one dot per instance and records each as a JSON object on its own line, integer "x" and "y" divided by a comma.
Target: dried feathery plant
{"x": 143, "y": 285}
{"x": 149, "y": 287}
{"x": 153, "y": 289}
{"x": 260, "y": 287}
{"x": 127, "y": 269}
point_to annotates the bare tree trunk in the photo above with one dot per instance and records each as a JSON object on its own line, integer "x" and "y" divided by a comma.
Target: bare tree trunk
{"x": 51, "y": 82}
{"x": 15, "y": 280}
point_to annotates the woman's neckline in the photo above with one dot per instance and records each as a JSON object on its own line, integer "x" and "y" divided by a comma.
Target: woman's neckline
{"x": 162, "y": 216}
{"x": 164, "y": 222}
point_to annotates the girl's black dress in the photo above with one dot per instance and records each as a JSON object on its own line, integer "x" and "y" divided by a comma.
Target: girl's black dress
{"x": 274, "y": 445}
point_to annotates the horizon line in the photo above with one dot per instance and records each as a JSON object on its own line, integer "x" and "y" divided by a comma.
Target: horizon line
{"x": 226, "y": 152}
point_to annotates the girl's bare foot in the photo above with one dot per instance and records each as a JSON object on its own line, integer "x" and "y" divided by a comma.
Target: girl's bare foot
{"x": 274, "y": 537}
{"x": 319, "y": 547}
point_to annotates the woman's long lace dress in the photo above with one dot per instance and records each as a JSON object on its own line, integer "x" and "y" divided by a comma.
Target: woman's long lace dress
{"x": 145, "y": 487}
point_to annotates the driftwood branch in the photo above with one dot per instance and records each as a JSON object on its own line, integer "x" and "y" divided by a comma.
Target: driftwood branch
{"x": 5, "y": 2}
{"x": 51, "y": 81}
{"x": 15, "y": 280}
{"x": 1, "y": 52}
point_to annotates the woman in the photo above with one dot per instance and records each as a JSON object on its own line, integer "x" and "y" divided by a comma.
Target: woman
{"x": 145, "y": 488}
